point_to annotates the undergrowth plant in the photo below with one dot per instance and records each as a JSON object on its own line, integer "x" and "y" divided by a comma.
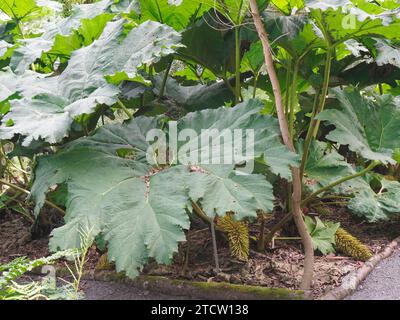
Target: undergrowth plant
{"x": 83, "y": 89}
{"x": 12, "y": 288}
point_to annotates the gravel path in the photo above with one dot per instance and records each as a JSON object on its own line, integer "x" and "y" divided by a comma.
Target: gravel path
{"x": 383, "y": 283}
{"x": 99, "y": 290}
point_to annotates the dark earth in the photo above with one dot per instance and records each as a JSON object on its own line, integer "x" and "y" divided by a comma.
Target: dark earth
{"x": 279, "y": 267}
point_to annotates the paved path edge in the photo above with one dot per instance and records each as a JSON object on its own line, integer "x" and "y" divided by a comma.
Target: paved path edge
{"x": 195, "y": 290}
{"x": 351, "y": 282}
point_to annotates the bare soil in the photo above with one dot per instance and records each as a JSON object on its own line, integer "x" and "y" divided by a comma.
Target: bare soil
{"x": 279, "y": 267}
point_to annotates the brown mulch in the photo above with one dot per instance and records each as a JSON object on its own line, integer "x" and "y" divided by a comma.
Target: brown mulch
{"x": 280, "y": 266}
{"x": 16, "y": 239}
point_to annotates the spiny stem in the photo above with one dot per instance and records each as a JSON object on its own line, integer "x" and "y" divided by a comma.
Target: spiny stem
{"x": 26, "y": 180}
{"x": 200, "y": 213}
{"x": 261, "y": 237}
{"x": 314, "y": 125}
{"x": 164, "y": 82}
{"x": 289, "y": 215}
{"x": 293, "y": 98}
{"x": 287, "y": 92}
{"x": 255, "y": 85}
{"x": 283, "y": 125}
{"x": 336, "y": 197}
{"x": 215, "y": 249}
{"x": 309, "y": 137}
{"x": 335, "y": 203}
{"x": 325, "y": 87}
{"x": 334, "y": 184}
{"x": 125, "y": 109}
{"x": 237, "y": 65}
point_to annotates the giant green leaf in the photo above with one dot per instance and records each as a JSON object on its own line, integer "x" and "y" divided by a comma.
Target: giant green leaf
{"x": 85, "y": 19}
{"x": 27, "y": 85}
{"x": 82, "y": 86}
{"x": 195, "y": 97}
{"x": 18, "y": 9}
{"x": 114, "y": 189}
{"x": 221, "y": 127}
{"x": 376, "y": 206}
{"x": 325, "y": 166}
{"x": 279, "y": 158}
{"x": 59, "y": 44}
{"x": 219, "y": 190}
{"x": 340, "y": 20}
{"x": 209, "y": 46}
{"x": 370, "y": 126}
{"x": 177, "y": 14}
{"x": 4, "y": 47}
{"x": 148, "y": 222}
{"x": 49, "y": 117}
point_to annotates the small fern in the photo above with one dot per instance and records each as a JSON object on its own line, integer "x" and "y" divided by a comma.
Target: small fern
{"x": 20, "y": 266}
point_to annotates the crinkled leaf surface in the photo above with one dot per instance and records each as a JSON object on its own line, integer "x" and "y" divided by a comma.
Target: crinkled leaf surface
{"x": 377, "y": 206}
{"x": 57, "y": 34}
{"x": 196, "y": 97}
{"x": 49, "y": 117}
{"x": 4, "y": 45}
{"x": 325, "y": 166}
{"x": 341, "y": 20}
{"x": 219, "y": 189}
{"x": 371, "y": 127}
{"x": 82, "y": 85}
{"x": 57, "y": 44}
{"x": 177, "y": 14}
{"x": 18, "y": 9}
{"x": 221, "y": 125}
{"x": 10, "y": 84}
{"x": 113, "y": 190}
{"x": 280, "y": 159}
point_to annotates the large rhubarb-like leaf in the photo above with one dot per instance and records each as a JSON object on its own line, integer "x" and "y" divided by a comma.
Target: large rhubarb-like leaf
{"x": 82, "y": 86}
{"x": 370, "y": 126}
{"x": 195, "y": 97}
{"x": 10, "y": 84}
{"x": 219, "y": 189}
{"x": 139, "y": 207}
{"x": 279, "y": 158}
{"x": 177, "y": 14}
{"x": 49, "y": 117}
{"x": 325, "y": 166}
{"x": 340, "y": 20}
{"x": 376, "y": 206}
{"x": 4, "y": 47}
{"x": 18, "y": 9}
{"x": 58, "y": 33}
